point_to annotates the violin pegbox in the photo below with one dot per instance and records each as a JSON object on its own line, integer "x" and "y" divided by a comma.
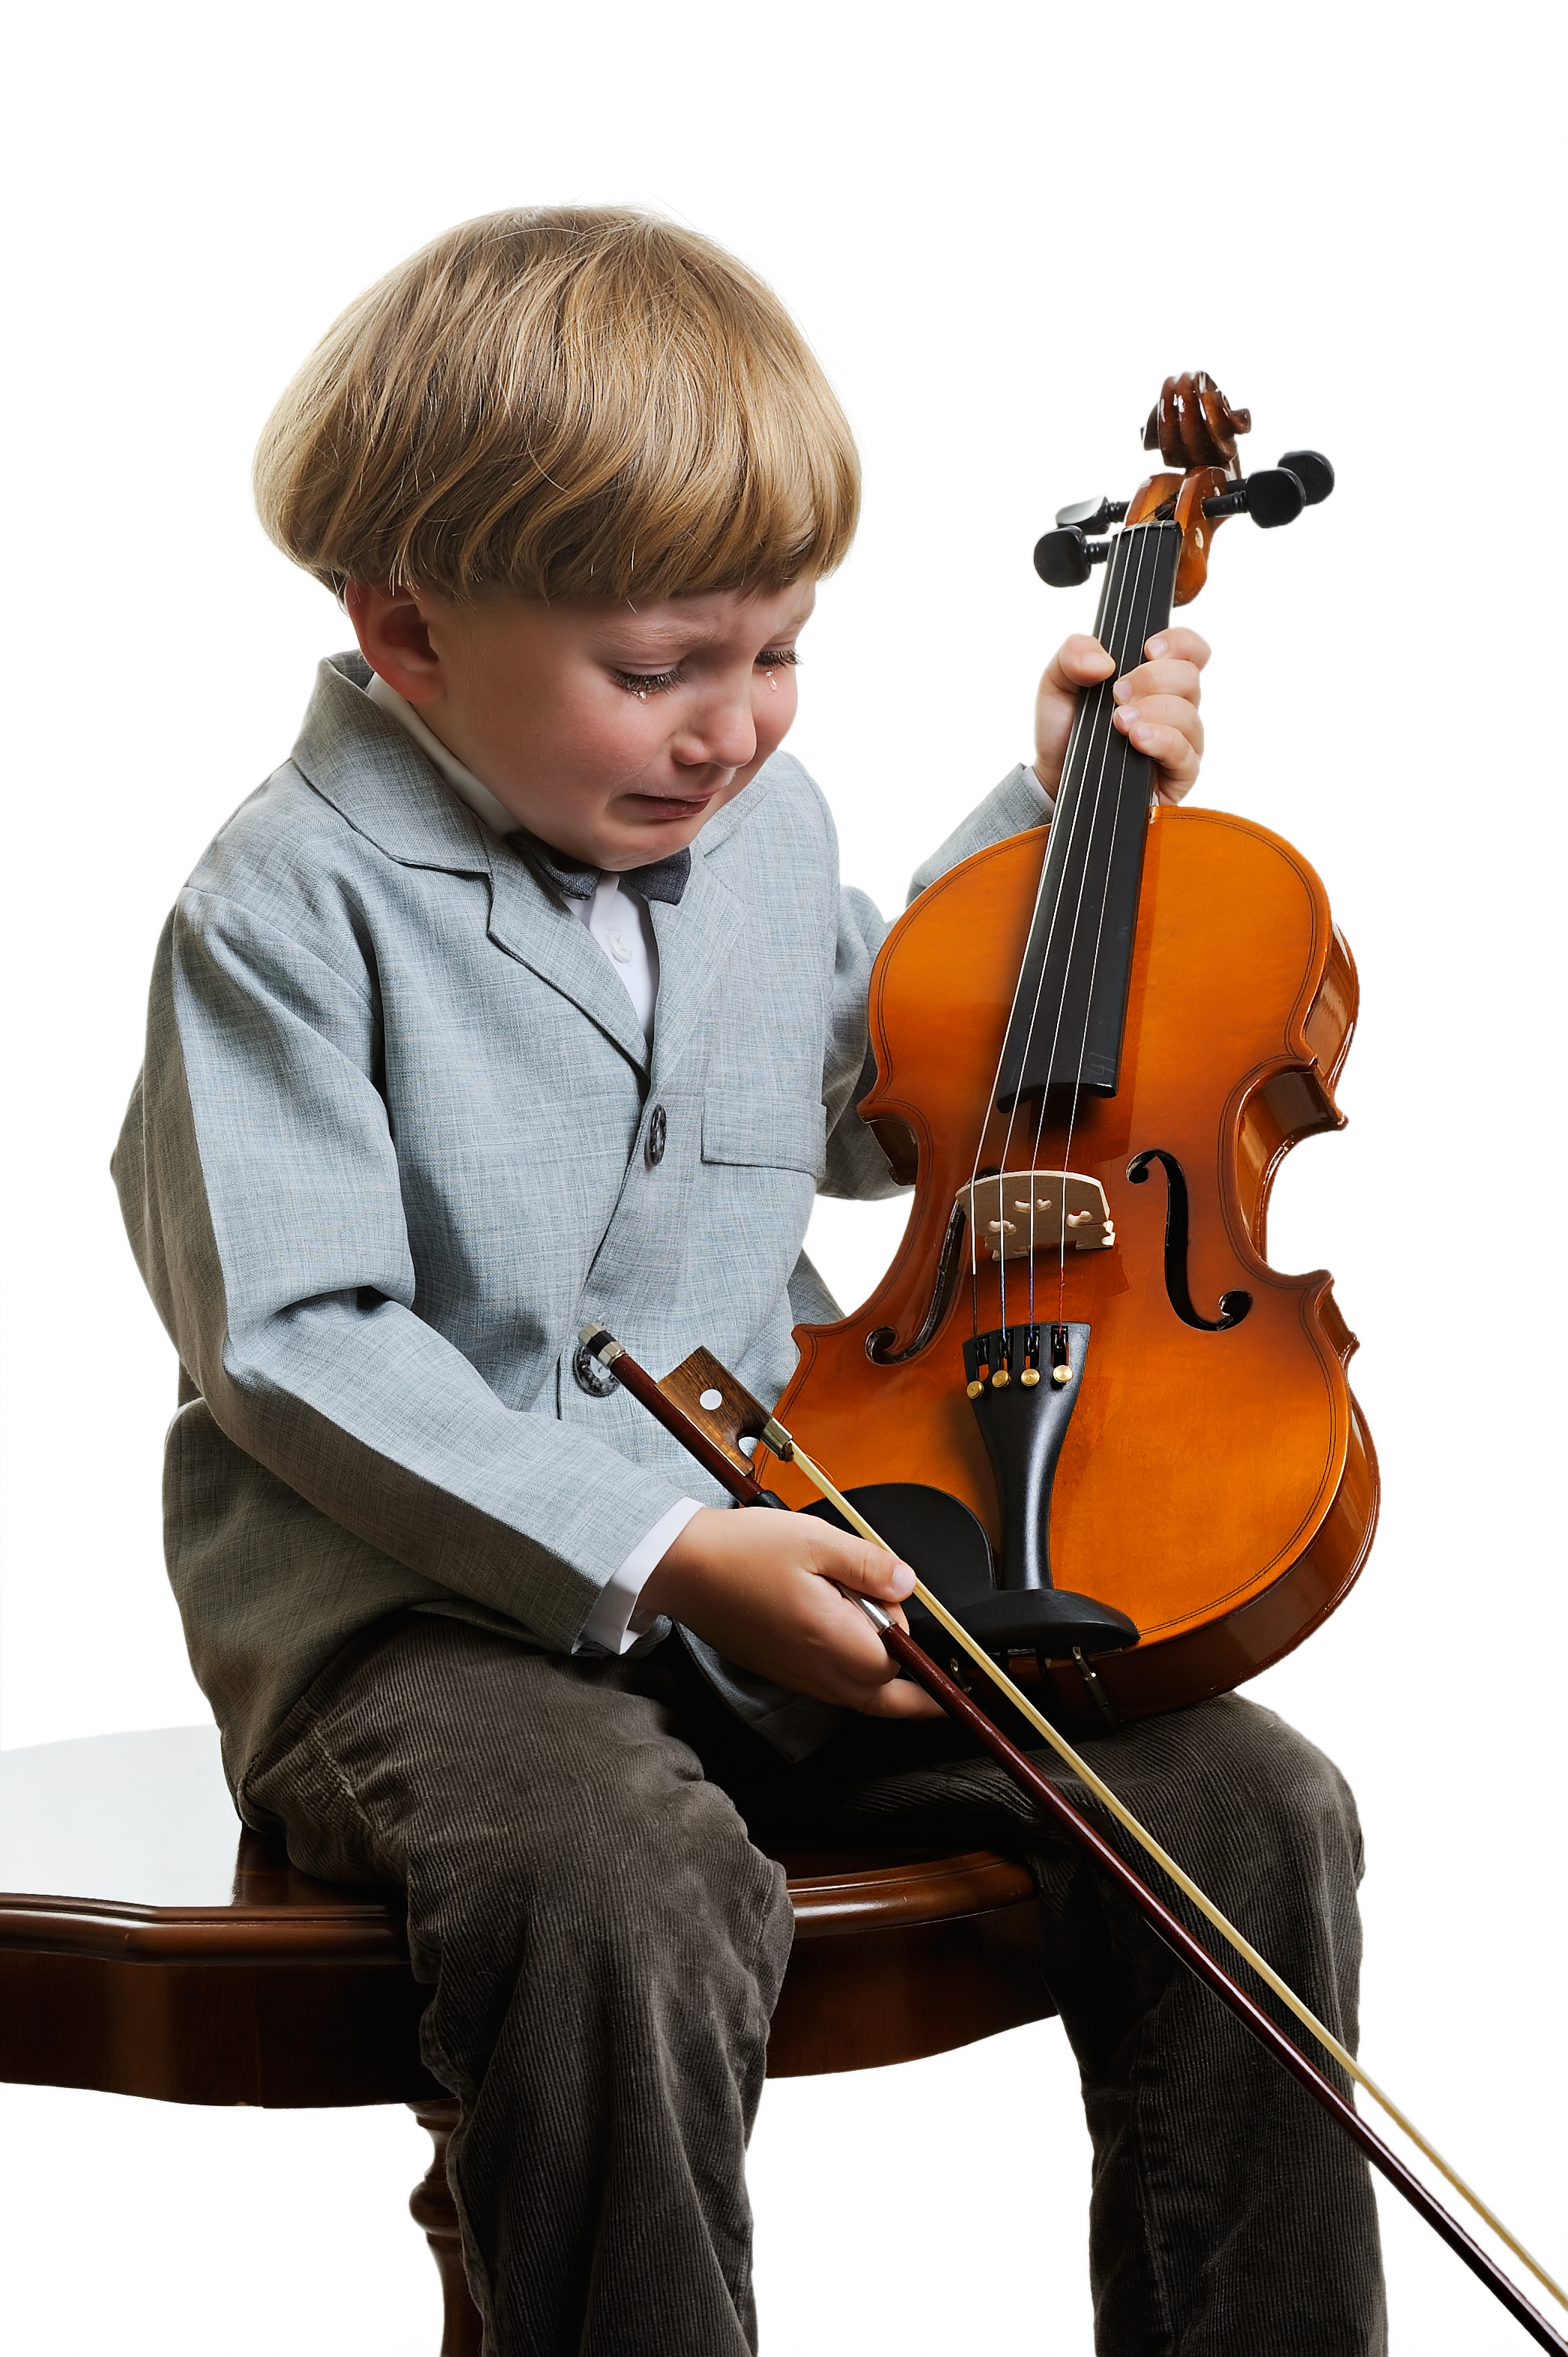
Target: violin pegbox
{"x": 1194, "y": 429}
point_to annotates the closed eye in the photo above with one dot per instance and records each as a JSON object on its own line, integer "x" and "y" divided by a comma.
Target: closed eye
{"x": 657, "y": 683}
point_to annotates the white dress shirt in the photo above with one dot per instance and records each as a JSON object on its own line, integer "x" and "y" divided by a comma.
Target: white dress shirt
{"x": 619, "y": 922}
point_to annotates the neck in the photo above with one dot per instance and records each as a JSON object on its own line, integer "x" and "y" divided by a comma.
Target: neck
{"x": 1065, "y": 1031}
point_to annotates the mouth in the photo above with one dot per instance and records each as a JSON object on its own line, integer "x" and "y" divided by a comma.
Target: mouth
{"x": 670, "y": 807}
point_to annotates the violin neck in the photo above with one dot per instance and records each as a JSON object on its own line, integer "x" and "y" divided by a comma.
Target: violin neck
{"x": 1070, "y": 1005}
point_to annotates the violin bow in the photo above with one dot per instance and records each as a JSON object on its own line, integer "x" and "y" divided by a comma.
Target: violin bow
{"x": 732, "y": 1415}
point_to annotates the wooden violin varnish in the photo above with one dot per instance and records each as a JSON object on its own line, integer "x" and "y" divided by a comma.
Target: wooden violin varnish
{"x": 1095, "y": 1043}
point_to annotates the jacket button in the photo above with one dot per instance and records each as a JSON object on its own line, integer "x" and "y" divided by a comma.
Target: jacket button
{"x": 593, "y": 1376}
{"x": 657, "y": 1130}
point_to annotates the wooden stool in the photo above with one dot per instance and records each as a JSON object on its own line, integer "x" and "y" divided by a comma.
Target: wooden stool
{"x": 140, "y": 1955}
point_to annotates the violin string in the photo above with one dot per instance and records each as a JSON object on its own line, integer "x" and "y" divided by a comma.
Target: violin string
{"x": 1085, "y": 721}
{"x": 1121, "y": 591}
{"x": 1128, "y": 593}
{"x": 1062, "y": 791}
{"x": 1067, "y": 791}
{"x": 1117, "y": 640}
{"x": 1084, "y": 710}
{"x": 1146, "y": 540}
{"x": 1191, "y": 1890}
{"x": 1128, "y": 760}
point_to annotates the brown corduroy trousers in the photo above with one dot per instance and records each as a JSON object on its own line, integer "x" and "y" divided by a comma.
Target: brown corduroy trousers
{"x": 605, "y": 1942}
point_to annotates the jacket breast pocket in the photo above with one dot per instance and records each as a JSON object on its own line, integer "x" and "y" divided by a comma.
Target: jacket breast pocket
{"x": 766, "y": 1132}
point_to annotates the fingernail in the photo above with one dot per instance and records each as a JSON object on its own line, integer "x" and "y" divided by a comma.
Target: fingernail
{"x": 1155, "y": 647}
{"x": 1126, "y": 715}
{"x": 1121, "y": 690}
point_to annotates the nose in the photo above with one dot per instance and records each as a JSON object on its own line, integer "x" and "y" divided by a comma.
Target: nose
{"x": 721, "y": 734}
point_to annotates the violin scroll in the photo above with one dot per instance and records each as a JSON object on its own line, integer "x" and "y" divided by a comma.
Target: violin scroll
{"x": 1194, "y": 427}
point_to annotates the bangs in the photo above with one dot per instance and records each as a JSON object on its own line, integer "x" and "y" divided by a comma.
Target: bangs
{"x": 563, "y": 404}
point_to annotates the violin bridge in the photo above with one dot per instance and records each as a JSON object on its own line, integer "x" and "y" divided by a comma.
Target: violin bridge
{"x": 1016, "y": 1212}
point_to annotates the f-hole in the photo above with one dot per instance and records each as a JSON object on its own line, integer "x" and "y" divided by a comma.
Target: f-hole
{"x": 1233, "y": 1307}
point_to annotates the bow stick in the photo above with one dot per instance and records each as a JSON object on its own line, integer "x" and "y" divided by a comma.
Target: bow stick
{"x": 747, "y": 1490}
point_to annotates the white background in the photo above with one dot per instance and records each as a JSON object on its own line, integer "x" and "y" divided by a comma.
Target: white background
{"x": 1000, "y": 226}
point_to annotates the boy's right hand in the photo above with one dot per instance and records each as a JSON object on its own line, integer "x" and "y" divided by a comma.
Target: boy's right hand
{"x": 762, "y": 1588}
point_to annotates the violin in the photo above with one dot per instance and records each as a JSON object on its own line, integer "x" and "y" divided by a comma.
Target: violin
{"x": 1080, "y": 1403}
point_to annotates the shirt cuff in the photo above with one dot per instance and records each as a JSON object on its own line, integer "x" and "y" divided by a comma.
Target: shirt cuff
{"x": 1050, "y": 792}
{"x": 615, "y": 1621}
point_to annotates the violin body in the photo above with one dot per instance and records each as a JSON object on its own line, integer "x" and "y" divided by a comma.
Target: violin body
{"x": 1215, "y": 1481}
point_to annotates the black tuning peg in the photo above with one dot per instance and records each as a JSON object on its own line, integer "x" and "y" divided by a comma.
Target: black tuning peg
{"x": 1064, "y": 558}
{"x": 1312, "y": 471}
{"x": 1092, "y": 515}
{"x": 1271, "y": 497}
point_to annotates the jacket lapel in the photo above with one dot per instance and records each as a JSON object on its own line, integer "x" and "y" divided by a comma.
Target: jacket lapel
{"x": 359, "y": 760}
{"x": 532, "y": 926}
{"x": 695, "y": 937}
{"x": 368, "y": 767}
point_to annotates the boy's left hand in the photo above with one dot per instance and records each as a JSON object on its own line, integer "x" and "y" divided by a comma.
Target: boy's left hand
{"x": 1157, "y": 706}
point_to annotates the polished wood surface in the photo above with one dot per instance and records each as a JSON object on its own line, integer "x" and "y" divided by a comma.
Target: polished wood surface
{"x": 292, "y": 1993}
{"x": 1193, "y": 427}
{"x": 238, "y": 1980}
{"x": 431, "y": 2205}
{"x": 1219, "y": 1488}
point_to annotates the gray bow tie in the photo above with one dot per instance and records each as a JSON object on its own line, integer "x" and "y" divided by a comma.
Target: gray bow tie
{"x": 661, "y": 880}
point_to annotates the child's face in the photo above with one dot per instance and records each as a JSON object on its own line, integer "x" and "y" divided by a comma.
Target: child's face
{"x": 611, "y": 733}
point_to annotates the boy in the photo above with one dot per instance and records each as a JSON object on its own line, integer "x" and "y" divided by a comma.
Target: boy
{"x": 525, "y": 994}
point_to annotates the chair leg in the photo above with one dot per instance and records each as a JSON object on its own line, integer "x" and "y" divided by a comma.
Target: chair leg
{"x": 433, "y": 2208}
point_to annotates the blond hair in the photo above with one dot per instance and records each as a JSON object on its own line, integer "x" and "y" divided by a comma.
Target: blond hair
{"x": 563, "y": 404}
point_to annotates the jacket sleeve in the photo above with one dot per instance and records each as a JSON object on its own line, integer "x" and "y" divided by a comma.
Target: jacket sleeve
{"x": 1019, "y": 802}
{"x": 258, "y": 1176}
{"x": 857, "y": 1164}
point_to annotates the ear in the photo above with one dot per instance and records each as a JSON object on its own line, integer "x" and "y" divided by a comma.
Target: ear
{"x": 394, "y": 640}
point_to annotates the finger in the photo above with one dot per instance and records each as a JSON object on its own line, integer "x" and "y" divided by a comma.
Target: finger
{"x": 1159, "y": 712}
{"x": 1077, "y": 662}
{"x": 1185, "y": 645}
{"x": 886, "y": 1692}
{"x": 1167, "y": 677}
{"x": 902, "y": 1699}
{"x": 1176, "y": 761}
{"x": 855, "y": 1564}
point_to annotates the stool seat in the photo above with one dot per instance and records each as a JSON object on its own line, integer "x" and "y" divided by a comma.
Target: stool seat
{"x": 151, "y": 1945}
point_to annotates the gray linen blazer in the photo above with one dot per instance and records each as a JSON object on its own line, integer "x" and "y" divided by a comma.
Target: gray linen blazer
{"x": 388, "y": 1152}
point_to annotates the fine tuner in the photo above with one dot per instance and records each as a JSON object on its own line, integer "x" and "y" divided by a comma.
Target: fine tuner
{"x": 1192, "y": 425}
